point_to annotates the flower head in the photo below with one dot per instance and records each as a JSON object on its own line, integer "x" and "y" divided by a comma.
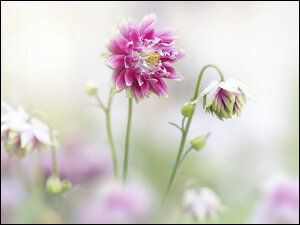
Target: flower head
{"x": 201, "y": 203}
{"x": 225, "y": 98}
{"x": 22, "y": 134}
{"x": 139, "y": 56}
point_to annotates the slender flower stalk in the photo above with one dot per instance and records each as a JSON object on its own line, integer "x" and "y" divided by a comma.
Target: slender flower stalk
{"x": 108, "y": 127}
{"x": 185, "y": 130}
{"x": 110, "y": 138}
{"x": 127, "y": 139}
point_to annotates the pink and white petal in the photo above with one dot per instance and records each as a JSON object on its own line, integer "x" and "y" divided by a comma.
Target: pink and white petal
{"x": 244, "y": 88}
{"x": 229, "y": 86}
{"x": 145, "y": 89}
{"x": 26, "y": 137}
{"x": 211, "y": 86}
{"x": 117, "y": 45}
{"x": 146, "y": 22}
{"x": 166, "y": 35}
{"x": 211, "y": 95}
{"x": 114, "y": 61}
{"x": 159, "y": 87}
{"x": 115, "y": 74}
{"x": 148, "y": 32}
{"x": 134, "y": 34}
{"x": 129, "y": 77}
{"x": 171, "y": 73}
{"x": 137, "y": 92}
{"x": 120, "y": 83}
{"x": 124, "y": 28}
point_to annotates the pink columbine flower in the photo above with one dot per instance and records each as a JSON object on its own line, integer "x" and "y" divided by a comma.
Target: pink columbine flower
{"x": 21, "y": 134}
{"x": 225, "y": 98}
{"x": 280, "y": 203}
{"x": 202, "y": 203}
{"x": 79, "y": 164}
{"x": 117, "y": 203}
{"x": 12, "y": 194}
{"x": 139, "y": 56}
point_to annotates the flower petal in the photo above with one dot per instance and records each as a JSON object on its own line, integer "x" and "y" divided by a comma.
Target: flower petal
{"x": 159, "y": 87}
{"x": 120, "y": 83}
{"x": 129, "y": 76}
{"x": 115, "y": 61}
{"x": 146, "y": 22}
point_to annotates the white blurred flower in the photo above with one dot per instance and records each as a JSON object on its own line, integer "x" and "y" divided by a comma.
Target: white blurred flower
{"x": 280, "y": 203}
{"x": 21, "y": 134}
{"x": 202, "y": 203}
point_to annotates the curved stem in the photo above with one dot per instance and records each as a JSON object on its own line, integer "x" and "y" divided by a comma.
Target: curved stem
{"x": 127, "y": 139}
{"x": 53, "y": 153}
{"x": 185, "y": 131}
{"x": 109, "y": 133}
{"x": 185, "y": 154}
{"x": 201, "y": 75}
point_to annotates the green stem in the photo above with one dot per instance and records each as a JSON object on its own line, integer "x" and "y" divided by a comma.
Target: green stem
{"x": 185, "y": 132}
{"x": 127, "y": 140}
{"x": 109, "y": 133}
{"x": 53, "y": 153}
{"x": 185, "y": 154}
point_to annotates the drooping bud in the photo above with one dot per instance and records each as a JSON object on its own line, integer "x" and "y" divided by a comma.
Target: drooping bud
{"x": 198, "y": 141}
{"x": 91, "y": 88}
{"x": 22, "y": 134}
{"x": 54, "y": 185}
{"x": 224, "y": 98}
{"x": 188, "y": 109}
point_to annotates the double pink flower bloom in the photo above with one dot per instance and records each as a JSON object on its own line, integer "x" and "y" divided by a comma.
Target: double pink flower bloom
{"x": 139, "y": 56}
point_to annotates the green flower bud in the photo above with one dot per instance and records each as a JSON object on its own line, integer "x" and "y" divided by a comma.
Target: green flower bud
{"x": 54, "y": 185}
{"x": 188, "y": 109}
{"x": 198, "y": 141}
{"x": 91, "y": 88}
{"x": 66, "y": 185}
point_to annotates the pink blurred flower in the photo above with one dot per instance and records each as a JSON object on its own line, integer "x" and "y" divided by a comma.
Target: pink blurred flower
{"x": 225, "y": 98}
{"x": 21, "y": 134}
{"x": 78, "y": 164}
{"x": 139, "y": 56}
{"x": 201, "y": 203}
{"x": 11, "y": 195}
{"x": 280, "y": 205}
{"x": 118, "y": 203}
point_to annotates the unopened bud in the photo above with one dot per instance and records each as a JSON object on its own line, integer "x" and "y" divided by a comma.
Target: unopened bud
{"x": 91, "y": 88}
{"x": 54, "y": 185}
{"x": 66, "y": 185}
{"x": 188, "y": 109}
{"x": 198, "y": 141}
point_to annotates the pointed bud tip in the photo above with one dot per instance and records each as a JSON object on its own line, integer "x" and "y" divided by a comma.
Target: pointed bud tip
{"x": 198, "y": 141}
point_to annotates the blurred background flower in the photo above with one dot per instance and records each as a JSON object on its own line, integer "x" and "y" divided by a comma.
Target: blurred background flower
{"x": 50, "y": 49}
{"x": 118, "y": 203}
{"x": 202, "y": 204}
{"x": 279, "y": 203}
